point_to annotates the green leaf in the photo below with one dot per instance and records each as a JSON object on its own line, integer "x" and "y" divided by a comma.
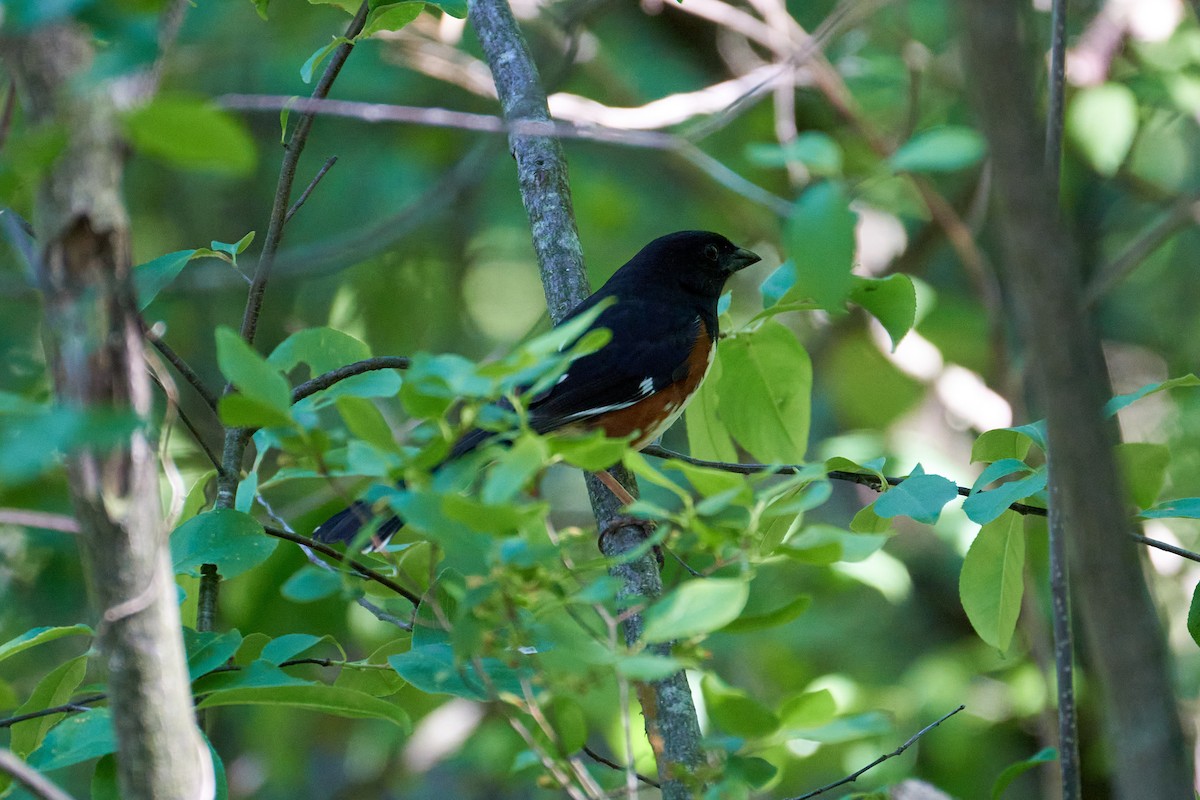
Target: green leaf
{"x": 433, "y": 668}
{"x": 312, "y": 62}
{"x": 592, "y": 452}
{"x": 1122, "y": 400}
{"x": 819, "y": 239}
{"x": 983, "y": 507}
{"x": 570, "y": 723}
{"x": 76, "y": 739}
{"x": 1186, "y": 507}
{"x": 238, "y": 410}
{"x": 314, "y": 697}
{"x": 809, "y": 710}
{"x": 363, "y": 419}
{"x": 1144, "y": 467}
{"x": 250, "y": 372}
{"x": 992, "y": 579}
{"x": 391, "y": 17}
{"x": 455, "y": 8}
{"x": 707, "y": 436}
{"x": 514, "y": 470}
{"x": 736, "y": 712}
{"x": 232, "y": 249}
{"x": 152, "y": 277}
{"x": 234, "y": 541}
{"x": 1193, "y": 617}
{"x": 774, "y": 598}
{"x": 207, "y": 650}
{"x": 288, "y": 646}
{"x": 53, "y": 690}
{"x": 891, "y": 300}
{"x": 817, "y": 151}
{"x": 826, "y": 544}
{"x": 1102, "y": 122}
{"x": 323, "y": 349}
{"x": 751, "y": 770}
{"x": 260, "y": 7}
{"x": 696, "y": 607}
{"x": 192, "y": 134}
{"x": 1000, "y": 443}
{"x": 36, "y": 636}
{"x": 943, "y": 149}
{"x": 648, "y": 667}
{"x": 309, "y": 583}
{"x": 255, "y": 675}
{"x": 104, "y": 779}
{"x": 764, "y": 393}
{"x": 847, "y": 729}
{"x": 919, "y": 496}
{"x": 1013, "y": 771}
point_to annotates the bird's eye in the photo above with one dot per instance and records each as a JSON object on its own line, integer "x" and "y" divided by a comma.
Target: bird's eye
{"x": 710, "y": 252}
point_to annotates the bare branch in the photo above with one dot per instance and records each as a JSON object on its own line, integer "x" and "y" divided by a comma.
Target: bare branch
{"x": 329, "y": 162}
{"x": 484, "y": 123}
{"x": 38, "y": 519}
{"x": 324, "y": 381}
{"x": 855, "y": 776}
{"x": 359, "y": 567}
{"x": 34, "y": 782}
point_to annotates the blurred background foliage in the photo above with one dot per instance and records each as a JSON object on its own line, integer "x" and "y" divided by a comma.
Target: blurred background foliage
{"x": 416, "y": 241}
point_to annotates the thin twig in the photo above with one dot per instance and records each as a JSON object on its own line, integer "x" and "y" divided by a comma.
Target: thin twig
{"x": 384, "y": 616}
{"x": 592, "y": 754}
{"x": 1169, "y": 548}
{"x": 1174, "y": 219}
{"x": 325, "y": 380}
{"x": 329, "y": 162}
{"x": 38, "y": 519}
{"x": 6, "y": 113}
{"x": 237, "y": 439}
{"x": 287, "y": 175}
{"x": 485, "y": 123}
{"x": 872, "y": 482}
{"x": 74, "y": 705}
{"x": 181, "y": 366}
{"x": 34, "y": 782}
{"x": 911, "y": 740}
{"x": 359, "y": 567}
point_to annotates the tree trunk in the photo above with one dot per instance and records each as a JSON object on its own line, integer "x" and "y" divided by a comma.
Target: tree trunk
{"x": 94, "y": 349}
{"x": 1126, "y": 643}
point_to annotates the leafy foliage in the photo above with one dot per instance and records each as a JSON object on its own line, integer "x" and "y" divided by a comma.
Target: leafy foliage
{"x": 821, "y": 617}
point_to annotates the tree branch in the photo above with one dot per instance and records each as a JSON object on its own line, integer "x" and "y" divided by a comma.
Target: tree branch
{"x": 1066, "y": 364}
{"x": 236, "y": 439}
{"x": 95, "y": 353}
{"x": 855, "y": 776}
{"x": 671, "y": 723}
{"x": 359, "y": 567}
{"x": 324, "y": 381}
{"x": 34, "y": 782}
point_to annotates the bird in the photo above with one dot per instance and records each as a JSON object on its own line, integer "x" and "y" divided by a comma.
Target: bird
{"x": 664, "y": 330}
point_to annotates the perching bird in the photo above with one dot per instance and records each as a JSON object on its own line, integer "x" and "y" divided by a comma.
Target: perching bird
{"x": 664, "y": 333}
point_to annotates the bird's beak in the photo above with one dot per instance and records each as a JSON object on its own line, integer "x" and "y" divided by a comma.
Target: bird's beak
{"x": 740, "y": 259}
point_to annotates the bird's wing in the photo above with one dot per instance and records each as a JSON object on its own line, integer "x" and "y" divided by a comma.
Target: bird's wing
{"x": 646, "y": 353}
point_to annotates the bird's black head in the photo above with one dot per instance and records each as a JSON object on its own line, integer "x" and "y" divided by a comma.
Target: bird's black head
{"x": 697, "y": 261}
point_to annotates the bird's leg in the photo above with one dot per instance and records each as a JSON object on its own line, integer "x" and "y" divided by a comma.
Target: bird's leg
{"x": 615, "y": 487}
{"x": 622, "y": 520}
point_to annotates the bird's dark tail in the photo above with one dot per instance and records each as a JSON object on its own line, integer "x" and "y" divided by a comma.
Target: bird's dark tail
{"x": 345, "y": 525}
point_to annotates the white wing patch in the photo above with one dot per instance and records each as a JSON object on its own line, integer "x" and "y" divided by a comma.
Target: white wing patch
{"x": 645, "y": 389}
